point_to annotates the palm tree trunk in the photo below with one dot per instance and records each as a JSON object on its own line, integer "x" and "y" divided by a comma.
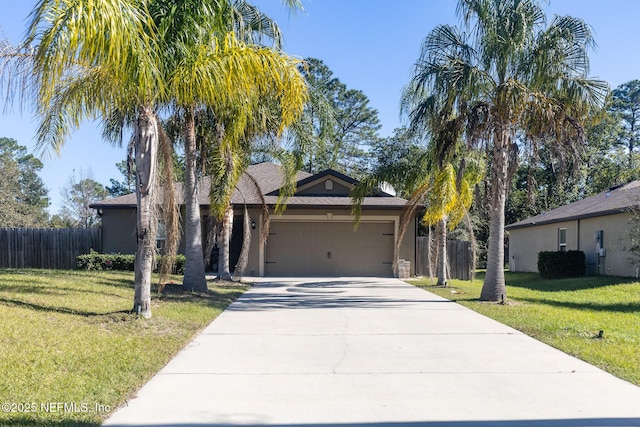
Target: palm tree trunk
{"x": 474, "y": 244}
{"x": 243, "y": 260}
{"x": 210, "y": 239}
{"x": 146, "y": 151}
{"x": 442, "y": 252}
{"x": 408, "y": 213}
{"x": 194, "y": 278}
{"x": 223, "y": 242}
{"x": 493, "y": 288}
{"x": 430, "y": 253}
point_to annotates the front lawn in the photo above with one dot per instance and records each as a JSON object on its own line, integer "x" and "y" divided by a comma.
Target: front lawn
{"x": 567, "y": 314}
{"x": 70, "y": 351}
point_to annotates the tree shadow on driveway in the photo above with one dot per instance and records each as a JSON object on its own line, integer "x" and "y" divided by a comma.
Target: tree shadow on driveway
{"x": 329, "y": 294}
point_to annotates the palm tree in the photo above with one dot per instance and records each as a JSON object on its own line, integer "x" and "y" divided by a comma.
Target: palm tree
{"x": 446, "y": 192}
{"x": 516, "y": 78}
{"x": 267, "y": 75}
{"x": 88, "y": 59}
{"x": 447, "y": 202}
{"x": 208, "y": 65}
{"x": 437, "y": 115}
{"x": 439, "y": 180}
{"x": 231, "y": 153}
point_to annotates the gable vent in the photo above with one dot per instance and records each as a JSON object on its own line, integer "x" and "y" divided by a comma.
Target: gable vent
{"x": 328, "y": 185}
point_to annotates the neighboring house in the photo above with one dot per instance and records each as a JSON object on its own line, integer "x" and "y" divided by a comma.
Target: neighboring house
{"x": 598, "y": 225}
{"x": 315, "y": 236}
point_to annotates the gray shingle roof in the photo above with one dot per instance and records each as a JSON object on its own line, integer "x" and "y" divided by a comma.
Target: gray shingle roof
{"x": 269, "y": 177}
{"x": 609, "y": 202}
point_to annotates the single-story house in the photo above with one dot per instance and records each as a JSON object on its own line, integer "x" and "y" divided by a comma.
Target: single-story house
{"x": 598, "y": 225}
{"x": 315, "y": 236}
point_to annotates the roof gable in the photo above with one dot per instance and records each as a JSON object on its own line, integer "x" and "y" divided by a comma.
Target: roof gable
{"x": 616, "y": 200}
{"x": 325, "y": 183}
{"x": 327, "y": 186}
{"x": 327, "y": 173}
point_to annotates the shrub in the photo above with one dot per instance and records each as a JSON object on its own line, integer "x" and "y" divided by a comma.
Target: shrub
{"x": 122, "y": 262}
{"x": 98, "y": 261}
{"x": 558, "y": 265}
{"x": 179, "y": 265}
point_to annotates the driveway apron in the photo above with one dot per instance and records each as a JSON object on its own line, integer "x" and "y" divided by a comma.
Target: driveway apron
{"x": 368, "y": 351}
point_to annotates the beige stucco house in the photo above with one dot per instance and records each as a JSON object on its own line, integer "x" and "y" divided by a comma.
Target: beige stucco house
{"x": 598, "y": 225}
{"x": 315, "y": 236}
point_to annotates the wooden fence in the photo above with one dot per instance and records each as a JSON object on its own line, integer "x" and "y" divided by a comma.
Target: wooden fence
{"x": 458, "y": 256}
{"x": 55, "y": 248}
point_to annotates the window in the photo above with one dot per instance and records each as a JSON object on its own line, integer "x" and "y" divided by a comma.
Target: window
{"x": 562, "y": 239}
{"x": 328, "y": 185}
{"x": 161, "y": 236}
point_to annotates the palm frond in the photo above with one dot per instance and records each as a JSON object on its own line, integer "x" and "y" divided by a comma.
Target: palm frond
{"x": 115, "y": 121}
{"x": 443, "y": 195}
{"x": 254, "y": 27}
{"x": 170, "y": 208}
{"x": 226, "y": 170}
{"x": 234, "y": 74}
{"x": 17, "y": 77}
{"x": 122, "y": 43}
{"x": 78, "y": 96}
{"x": 405, "y": 172}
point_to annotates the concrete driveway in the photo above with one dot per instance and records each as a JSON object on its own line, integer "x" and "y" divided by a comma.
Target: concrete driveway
{"x": 364, "y": 352}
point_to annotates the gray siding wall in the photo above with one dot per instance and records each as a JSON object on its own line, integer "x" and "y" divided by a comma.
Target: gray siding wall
{"x": 320, "y": 189}
{"x": 119, "y": 231}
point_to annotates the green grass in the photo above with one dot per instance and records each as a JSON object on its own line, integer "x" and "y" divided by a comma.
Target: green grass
{"x": 67, "y": 337}
{"x": 566, "y": 314}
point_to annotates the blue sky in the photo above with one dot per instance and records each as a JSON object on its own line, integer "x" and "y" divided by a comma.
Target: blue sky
{"x": 370, "y": 45}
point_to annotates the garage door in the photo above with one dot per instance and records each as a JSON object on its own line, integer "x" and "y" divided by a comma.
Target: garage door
{"x": 330, "y": 249}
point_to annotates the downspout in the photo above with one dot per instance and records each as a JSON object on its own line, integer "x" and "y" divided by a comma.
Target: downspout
{"x": 578, "y": 236}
